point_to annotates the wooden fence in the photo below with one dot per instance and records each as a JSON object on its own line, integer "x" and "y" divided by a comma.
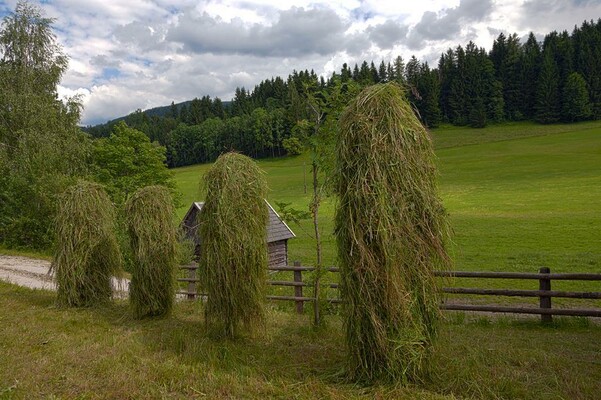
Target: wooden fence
{"x": 544, "y": 292}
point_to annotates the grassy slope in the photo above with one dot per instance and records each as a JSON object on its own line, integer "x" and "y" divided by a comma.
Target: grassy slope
{"x": 102, "y": 353}
{"x": 520, "y": 196}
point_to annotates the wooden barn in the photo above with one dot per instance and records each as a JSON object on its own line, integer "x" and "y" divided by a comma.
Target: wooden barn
{"x": 278, "y": 234}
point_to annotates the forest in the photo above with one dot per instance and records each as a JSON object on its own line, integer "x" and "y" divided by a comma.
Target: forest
{"x": 556, "y": 80}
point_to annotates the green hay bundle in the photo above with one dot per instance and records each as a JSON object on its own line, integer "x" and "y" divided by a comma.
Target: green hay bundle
{"x": 391, "y": 229}
{"x": 152, "y": 234}
{"x": 233, "y": 234}
{"x": 87, "y": 254}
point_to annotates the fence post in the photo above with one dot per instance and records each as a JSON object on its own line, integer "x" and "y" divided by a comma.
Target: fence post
{"x": 545, "y": 301}
{"x": 192, "y": 282}
{"x": 298, "y": 290}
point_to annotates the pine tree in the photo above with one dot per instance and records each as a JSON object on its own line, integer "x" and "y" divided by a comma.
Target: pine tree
{"x": 513, "y": 91}
{"x": 399, "y": 70}
{"x": 576, "y": 105}
{"x": 382, "y": 74}
{"x": 587, "y": 55}
{"x": 547, "y": 95}
{"x": 531, "y": 60}
{"x": 173, "y": 111}
{"x": 446, "y": 72}
{"x": 424, "y": 92}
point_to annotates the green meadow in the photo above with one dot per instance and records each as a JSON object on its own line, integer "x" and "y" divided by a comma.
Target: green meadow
{"x": 520, "y": 196}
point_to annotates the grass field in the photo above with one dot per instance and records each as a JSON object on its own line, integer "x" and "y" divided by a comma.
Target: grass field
{"x": 520, "y": 196}
{"x": 53, "y": 353}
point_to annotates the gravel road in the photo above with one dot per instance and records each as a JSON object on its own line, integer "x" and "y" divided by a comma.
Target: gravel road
{"x": 34, "y": 273}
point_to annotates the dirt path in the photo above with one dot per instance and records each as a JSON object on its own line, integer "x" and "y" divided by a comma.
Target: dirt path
{"x": 34, "y": 273}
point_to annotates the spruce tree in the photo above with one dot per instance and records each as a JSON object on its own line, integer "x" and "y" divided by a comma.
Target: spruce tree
{"x": 576, "y": 105}
{"x": 531, "y": 59}
{"x": 547, "y": 96}
{"x": 587, "y": 55}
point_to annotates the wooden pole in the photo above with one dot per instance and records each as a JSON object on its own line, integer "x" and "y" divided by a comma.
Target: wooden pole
{"x": 192, "y": 283}
{"x": 298, "y": 290}
{"x": 315, "y": 211}
{"x": 545, "y": 301}
{"x": 305, "y": 175}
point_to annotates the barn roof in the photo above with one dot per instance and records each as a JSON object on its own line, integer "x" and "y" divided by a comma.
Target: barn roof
{"x": 276, "y": 228}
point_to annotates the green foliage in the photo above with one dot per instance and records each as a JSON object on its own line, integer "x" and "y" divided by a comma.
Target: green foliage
{"x": 292, "y": 146}
{"x": 290, "y": 214}
{"x": 86, "y": 254}
{"x": 127, "y": 161}
{"x": 233, "y": 234}
{"x": 424, "y": 92}
{"x": 575, "y": 102}
{"x": 150, "y": 220}
{"x": 42, "y": 150}
{"x": 469, "y": 86}
{"x": 547, "y": 105}
{"x": 391, "y": 230}
{"x": 477, "y": 117}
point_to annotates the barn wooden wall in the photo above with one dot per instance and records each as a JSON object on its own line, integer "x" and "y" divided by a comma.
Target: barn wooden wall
{"x": 278, "y": 253}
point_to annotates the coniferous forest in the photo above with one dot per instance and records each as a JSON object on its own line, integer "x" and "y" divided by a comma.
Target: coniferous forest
{"x": 556, "y": 80}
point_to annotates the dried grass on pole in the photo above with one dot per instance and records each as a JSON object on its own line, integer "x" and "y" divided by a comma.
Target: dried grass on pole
{"x": 87, "y": 254}
{"x": 391, "y": 230}
{"x": 233, "y": 235}
{"x": 153, "y": 239}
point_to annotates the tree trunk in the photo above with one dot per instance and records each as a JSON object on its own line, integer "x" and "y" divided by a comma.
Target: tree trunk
{"x": 315, "y": 212}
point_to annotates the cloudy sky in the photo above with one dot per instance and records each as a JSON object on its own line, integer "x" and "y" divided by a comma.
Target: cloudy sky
{"x": 130, "y": 54}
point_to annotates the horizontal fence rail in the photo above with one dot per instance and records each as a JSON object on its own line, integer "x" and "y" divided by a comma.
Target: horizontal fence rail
{"x": 544, "y": 292}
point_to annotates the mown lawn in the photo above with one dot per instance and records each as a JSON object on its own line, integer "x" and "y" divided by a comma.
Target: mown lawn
{"x": 47, "y": 352}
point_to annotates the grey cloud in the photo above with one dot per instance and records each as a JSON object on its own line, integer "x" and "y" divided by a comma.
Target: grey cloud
{"x": 356, "y": 44}
{"x": 296, "y": 32}
{"x": 548, "y": 15}
{"x": 556, "y": 5}
{"x": 494, "y": 31}
{"x": 386, "y": 35}
{"x": 103, "y": 61}
{"x": 140, "y": 34}
{"x": 448, "y": 24}
{"x": 472, "y": 10}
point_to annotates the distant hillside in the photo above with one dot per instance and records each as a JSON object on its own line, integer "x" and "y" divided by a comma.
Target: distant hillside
{"x": 161, "y": 111}
{"x": 156, "y": 116}
{"x": 165, "y": 110}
